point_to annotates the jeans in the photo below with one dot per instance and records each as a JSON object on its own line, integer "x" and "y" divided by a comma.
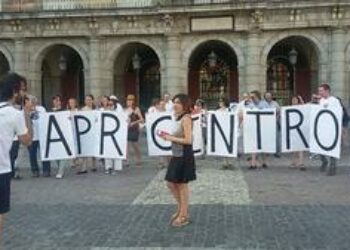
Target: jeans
{"x": 13, "y": 156}
{"x": 33, "y": 157}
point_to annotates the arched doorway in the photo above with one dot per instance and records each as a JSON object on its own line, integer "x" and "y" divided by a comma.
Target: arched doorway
{"x": 292, "y": 68}
{"x": 137, "y": 71}
{"x": 62, "y": 73}
{"x": 213, "y": 73}
{"x": 4, "y": 65}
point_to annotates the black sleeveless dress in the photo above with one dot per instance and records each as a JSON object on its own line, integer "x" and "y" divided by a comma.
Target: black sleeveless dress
{"x": 182, "y": 167}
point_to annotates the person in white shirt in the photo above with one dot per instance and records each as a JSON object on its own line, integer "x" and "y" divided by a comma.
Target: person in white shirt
{"x": 169, "y": 105}
{"x": 153, "y": 108}
{"x": 36, "y": 112}
{"x": 272, "y": 104}
{"x": 12, "y": 122}
{"x": 327, "y": 100}
{"x": 117, "y": 105}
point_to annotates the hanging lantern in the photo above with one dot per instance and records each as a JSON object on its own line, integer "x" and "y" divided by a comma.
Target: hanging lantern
{"x": 136, "y": 62}
{"x": 62, "y": 63}
{"x": 293, "y": 57}
{"x": 212, "y": 59}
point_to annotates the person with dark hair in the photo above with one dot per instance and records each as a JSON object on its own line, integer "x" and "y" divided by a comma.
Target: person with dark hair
{"x": 88, "y": 162}
{"x": 257, "y": 103}
{"x": 223, "y": 106}
{"x": 181, "y": 169}
{"x": 199, "y": 108}
{"x": 57, "y": 107}
{"x": 269, "y": 102}
{"x": 327, "y": 100}
{"x": 18, "y": 104}
{"x": 297, "y": 157}
{"x": 12, "y": 122}
{"x": 36, "y": 112}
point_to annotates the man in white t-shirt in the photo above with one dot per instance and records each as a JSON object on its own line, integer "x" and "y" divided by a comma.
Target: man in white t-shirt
{"x": 12, "y": 123}
{"x": 327, "y": 100}
{"x": 169, "y": 105}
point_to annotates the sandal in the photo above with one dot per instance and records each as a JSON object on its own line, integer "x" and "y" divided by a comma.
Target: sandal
{"x": 302, "y": 167}
{"x": 183, "y": 221}
{"x": 174, "y": 216}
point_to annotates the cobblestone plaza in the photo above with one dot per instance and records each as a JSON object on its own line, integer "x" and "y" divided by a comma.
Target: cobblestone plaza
{"x": 277, "y": 208}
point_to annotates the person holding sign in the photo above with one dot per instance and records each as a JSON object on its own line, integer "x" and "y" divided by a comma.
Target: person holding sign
{"x": 12, "y": 122}
{"x": 223, "y": 106}
{"x": 134, "y": 119}
{"x": 181, "y": 169}
{"x": 88, "y": 162}
{"x": 298, "y": 157}
{"x": 256, "y": 103}
{"x": 327, "y": 100}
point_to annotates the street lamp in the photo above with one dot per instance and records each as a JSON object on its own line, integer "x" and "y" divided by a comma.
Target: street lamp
{"x": 293, "y": 57}
{"x": 62, "y": 63}
{"x": 212, "y": 59}
{"x": 136, "y": 64}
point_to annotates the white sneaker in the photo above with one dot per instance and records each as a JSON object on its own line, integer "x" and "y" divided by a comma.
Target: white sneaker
{"x": 59, "y": 176}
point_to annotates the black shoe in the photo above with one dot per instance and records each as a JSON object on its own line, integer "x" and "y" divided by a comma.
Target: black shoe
{"x": 331, "y": 171}
{"x": 264, "y": 166}
{"x": 252, "y": 167}
{"x": 46, "y": 174}
{"x": 94, "y": 169}
{"x": 277, "y": 155}
{"x": 82, "y": 172}
{"x": 35, "y": 174}
{"x": 323, "y": 167}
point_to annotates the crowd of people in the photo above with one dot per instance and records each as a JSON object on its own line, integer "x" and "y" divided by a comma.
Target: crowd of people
{"x": 20, "y": 113}
{"x": 136, "y": 121}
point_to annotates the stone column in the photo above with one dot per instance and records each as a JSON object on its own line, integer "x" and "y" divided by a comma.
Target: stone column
{"x": 95, "y": 84}
{"x": 254, "y": 71}
{"x": 20, "y": 57}
{"x": 337, "y": 66}
{"x": 175, "y": 81}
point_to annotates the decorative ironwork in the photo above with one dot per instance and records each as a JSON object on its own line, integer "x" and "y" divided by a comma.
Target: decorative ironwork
{"x": 214, "y": 81}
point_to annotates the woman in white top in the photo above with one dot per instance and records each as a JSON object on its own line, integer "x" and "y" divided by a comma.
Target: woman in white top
{"x": 88, "y": 162}
{"x": 223, "y": 106}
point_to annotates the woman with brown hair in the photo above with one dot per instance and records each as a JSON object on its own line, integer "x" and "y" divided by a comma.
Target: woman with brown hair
{"x": 181, "y": 169}
{"x": 298, "y": 157}
{"x": 134, "y": 119}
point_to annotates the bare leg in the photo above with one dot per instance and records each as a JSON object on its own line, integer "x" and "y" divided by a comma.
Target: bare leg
{"x": 253, "y": 162}
{"x": 175, "y": 192}
{"x": 184, "y": 194}
{"x": 136, "y": 148}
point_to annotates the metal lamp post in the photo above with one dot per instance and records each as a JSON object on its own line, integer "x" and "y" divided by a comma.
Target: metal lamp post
{"x": 293, "y": 57}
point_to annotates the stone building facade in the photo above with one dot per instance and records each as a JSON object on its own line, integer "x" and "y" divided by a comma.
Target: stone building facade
{"x": 207, "y": 48}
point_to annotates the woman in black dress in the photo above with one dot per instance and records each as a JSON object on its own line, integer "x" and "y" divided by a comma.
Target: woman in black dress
{"x": 181, "y": 169}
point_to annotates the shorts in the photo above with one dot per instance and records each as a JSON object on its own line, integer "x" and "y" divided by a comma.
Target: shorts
{"x": 5, "y": 188}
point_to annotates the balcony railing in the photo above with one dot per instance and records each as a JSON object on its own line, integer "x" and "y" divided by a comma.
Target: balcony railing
{"x": 43, "y": 5}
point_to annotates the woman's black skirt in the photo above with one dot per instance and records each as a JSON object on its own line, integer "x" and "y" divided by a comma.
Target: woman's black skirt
{"x": 181, "y": 170}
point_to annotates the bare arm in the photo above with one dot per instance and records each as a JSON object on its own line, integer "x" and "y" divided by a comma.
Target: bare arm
{"x": 187, "y": 139}
{"x": 26, "y": 139}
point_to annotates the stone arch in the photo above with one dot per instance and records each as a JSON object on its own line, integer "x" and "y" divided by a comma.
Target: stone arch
{"x": 275, "y": 39}
{"x": 212, "y": 81}
{"x": 144, "y": 82}
{"x": 8, "y": 55}
{"x": 197, "y": 42}
{"x": 115, "y": 51}
{"x": 45, "y": 47}
{"x": 284, "y": 78}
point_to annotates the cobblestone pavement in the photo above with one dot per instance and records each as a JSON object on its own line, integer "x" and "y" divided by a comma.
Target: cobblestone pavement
{"x": 277, "y": 208}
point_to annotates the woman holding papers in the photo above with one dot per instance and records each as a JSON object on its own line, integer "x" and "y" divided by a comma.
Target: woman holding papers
{"x": 181, "y": 169}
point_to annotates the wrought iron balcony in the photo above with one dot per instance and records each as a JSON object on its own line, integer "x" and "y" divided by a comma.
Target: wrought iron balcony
{"x": 47, "y": 5}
